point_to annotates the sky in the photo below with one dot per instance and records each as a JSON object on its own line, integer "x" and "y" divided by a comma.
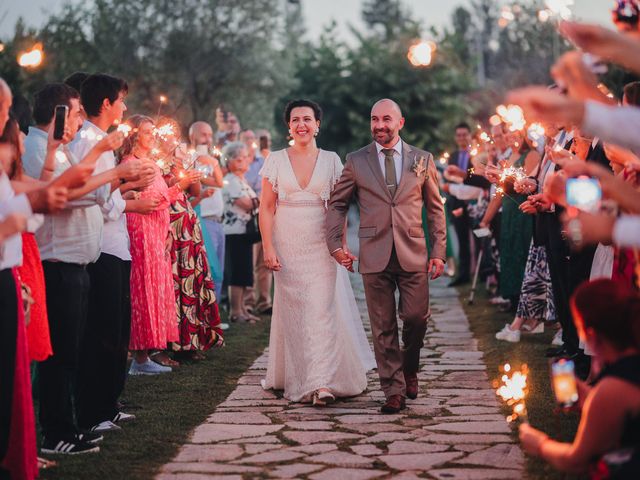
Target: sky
{"x": 317, "y": 12}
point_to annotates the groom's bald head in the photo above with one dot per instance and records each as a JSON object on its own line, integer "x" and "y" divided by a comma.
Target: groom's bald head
{"x": 387, "y": 103}
{"x": 386, "y": 122}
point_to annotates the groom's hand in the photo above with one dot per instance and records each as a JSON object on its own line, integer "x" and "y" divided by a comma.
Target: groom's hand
{"x": 345, "y": 258}
{"x": 436, "y": 268}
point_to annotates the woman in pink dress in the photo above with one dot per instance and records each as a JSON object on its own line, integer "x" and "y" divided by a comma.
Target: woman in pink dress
{"x": 153, "y": 303}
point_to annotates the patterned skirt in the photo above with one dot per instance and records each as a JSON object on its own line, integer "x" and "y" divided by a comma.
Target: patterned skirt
{"x": 198, "y": 316}
{"x": 536, "y": 296}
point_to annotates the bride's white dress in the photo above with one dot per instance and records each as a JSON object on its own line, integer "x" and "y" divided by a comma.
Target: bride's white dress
{"x": 317, "y": 338}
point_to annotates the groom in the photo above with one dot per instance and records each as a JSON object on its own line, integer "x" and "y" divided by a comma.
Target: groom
{"x": 391, "y": 181}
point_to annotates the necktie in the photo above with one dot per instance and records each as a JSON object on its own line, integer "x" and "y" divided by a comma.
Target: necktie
{"x": 390, "y": 170}
{"x": 464, "y": 161}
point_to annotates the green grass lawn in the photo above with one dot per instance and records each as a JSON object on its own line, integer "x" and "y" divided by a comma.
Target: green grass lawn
{"x": 171, "y": 406}
{"x": 485, "y": 321}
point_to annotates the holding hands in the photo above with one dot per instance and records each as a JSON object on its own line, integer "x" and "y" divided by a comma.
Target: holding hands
{"x": 345, "y": 258}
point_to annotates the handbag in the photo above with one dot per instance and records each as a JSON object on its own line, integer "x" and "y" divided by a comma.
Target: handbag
{"x": 253, "y": 228}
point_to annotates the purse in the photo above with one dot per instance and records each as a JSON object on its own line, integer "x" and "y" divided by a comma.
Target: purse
{"x": 252, "y": 227}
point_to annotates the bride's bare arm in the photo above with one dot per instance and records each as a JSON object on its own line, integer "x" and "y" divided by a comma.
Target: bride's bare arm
{"x": 265, "y": 219}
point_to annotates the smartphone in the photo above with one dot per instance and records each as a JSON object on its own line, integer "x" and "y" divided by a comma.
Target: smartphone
{"x": 60, "y": 119}
{"x": 584, "y": 193}
{"x": 565, "y": 386}
{"x": 482, "y": 232}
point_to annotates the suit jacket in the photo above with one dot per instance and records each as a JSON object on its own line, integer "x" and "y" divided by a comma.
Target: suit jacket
{"x": 387, "y": 221}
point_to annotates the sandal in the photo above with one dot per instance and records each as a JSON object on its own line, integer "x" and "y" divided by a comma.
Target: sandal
{"x": 163, "y": 359}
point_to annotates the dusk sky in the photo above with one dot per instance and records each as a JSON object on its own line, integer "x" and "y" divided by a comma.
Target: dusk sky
{"x": 431, "y": 12}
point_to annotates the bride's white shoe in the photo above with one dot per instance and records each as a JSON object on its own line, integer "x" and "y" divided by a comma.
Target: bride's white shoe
{"x": 322, "y": 397}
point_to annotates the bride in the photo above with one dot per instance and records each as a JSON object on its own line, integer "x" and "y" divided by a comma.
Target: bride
{"x": 317, "y": 349}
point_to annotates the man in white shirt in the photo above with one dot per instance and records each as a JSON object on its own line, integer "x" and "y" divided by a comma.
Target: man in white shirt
{"x": 105, "y": 341}
{"x": 212, "y": 203}
{"x": 68, "y": 243}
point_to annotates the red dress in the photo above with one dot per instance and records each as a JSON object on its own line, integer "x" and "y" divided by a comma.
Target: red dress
{"x": 21, "y": 458}
{"x": 153, "y": 304}
{"x": 38, "y": 338}
{"x": 197, "y": 315}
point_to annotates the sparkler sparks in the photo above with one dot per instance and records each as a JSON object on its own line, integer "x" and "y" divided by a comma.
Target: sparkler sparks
{"x": 421, "y": 54}
{"x": 32, "y": 58}
{"x": 512, "y": 115}
{"x": 513, "y": 390}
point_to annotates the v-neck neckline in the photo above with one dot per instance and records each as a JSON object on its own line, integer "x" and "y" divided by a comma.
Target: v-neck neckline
{"x": 293, "y": 172}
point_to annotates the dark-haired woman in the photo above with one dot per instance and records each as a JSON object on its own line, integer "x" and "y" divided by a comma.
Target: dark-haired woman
{"x": 317, "y": 350}
{"x": 516, "y": 227}
{"x": 607, "y": 316}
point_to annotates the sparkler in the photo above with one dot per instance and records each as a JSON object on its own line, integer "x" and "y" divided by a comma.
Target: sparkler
{"x": 536, "y": 132}
{"x": 163, "y": 99}
{"x": 512, "y": 115}
{"x": 513, "y": 390}
{"x": 32, "y": 58}
{"x": 421, "y": 54}
{"x": 559, "y": 8}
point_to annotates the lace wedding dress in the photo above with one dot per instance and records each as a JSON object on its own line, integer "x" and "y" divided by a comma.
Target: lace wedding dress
{"x": 317, "y": 338}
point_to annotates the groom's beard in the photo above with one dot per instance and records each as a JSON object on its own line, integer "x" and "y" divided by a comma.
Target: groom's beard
{"x": 382, "y": 135}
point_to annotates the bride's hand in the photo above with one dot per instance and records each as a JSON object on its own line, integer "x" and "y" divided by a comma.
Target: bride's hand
{"x": 271, "y": 260}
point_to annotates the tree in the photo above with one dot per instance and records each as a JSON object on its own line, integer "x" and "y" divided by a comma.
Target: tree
{"x": 199, "y": 53}
{"x": 346, "y": 81}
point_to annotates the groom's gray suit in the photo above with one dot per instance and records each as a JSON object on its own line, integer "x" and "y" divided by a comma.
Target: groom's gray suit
{"x": 393, "y": 252}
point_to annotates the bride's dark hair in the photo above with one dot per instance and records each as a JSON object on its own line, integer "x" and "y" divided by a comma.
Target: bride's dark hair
{"x": 317, "y": 111}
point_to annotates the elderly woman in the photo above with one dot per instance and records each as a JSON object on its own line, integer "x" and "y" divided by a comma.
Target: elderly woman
{"x": 241, "y": 203}
{"x": 607, "y": 316}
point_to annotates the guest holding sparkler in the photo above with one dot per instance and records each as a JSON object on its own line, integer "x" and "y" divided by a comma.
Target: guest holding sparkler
{"x": 153, "y": 305}
{"x": 198, "y": 317}
{"x": 516, "y": 227}
{"x": 607, "y": 445}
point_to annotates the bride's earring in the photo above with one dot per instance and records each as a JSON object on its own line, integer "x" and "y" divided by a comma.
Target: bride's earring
{"x": 316, "y": 133}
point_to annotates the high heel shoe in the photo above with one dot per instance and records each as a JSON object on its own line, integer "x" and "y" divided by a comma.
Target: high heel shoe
{"x": 316, "y": 402}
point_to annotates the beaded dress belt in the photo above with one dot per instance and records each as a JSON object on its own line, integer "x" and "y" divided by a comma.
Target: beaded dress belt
{"x": 301, "y": 203}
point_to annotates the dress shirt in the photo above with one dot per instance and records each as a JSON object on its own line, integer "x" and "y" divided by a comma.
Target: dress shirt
{"x": 618, "y": 125}
{"x": 397, "y": 159}
{"x": 463, "y": 160}
{"x": 72, "y": 235}
{"x": 253, "y": 177}
{"x": 626, "y": 231}
{"x": 11, "y": 249}
{"x": 115, "y": 237}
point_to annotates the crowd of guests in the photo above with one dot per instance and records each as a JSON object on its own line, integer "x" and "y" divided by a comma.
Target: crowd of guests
{"x": 116, "y": 251}
{"x": 558, "y": 252}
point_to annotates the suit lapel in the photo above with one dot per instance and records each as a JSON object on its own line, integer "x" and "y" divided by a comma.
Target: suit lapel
{"x": 374, "y": 165}
{"x": 407, "y": 161}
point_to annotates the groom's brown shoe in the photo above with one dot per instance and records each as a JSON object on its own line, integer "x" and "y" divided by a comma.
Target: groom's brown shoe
{"x": 394, "y": 404}
{"x": 411, "y": 380}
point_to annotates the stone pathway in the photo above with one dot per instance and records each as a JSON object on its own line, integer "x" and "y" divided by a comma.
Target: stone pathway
{"x": 453, "y": 431}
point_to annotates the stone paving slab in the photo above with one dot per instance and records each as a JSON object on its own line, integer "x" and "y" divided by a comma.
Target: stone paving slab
{"x": 454, "y": 430}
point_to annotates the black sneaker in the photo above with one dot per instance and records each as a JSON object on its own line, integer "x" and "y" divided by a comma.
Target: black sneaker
{"x": 73, "y": 446}
{"x": 89, "y": 437}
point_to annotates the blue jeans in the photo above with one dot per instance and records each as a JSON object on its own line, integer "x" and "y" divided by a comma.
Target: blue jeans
{"x": 217, "y": 237}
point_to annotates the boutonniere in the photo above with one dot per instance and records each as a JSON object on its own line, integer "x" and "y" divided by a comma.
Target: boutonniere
{"x": 419, "y": 166}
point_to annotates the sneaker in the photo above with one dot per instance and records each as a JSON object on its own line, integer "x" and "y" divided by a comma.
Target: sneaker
{"x": 106, "y": 426}
{"x": 224, "y": 326}
{"x": 509, "y": 335}
{"x": 557, "y": 339}
{"x": 147, "y": 368}
{"x": 498, "y": 301}
{"x": 87, "y": 436}
{"x": 70, "y": 447}
{"x": 122, "y": 417}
